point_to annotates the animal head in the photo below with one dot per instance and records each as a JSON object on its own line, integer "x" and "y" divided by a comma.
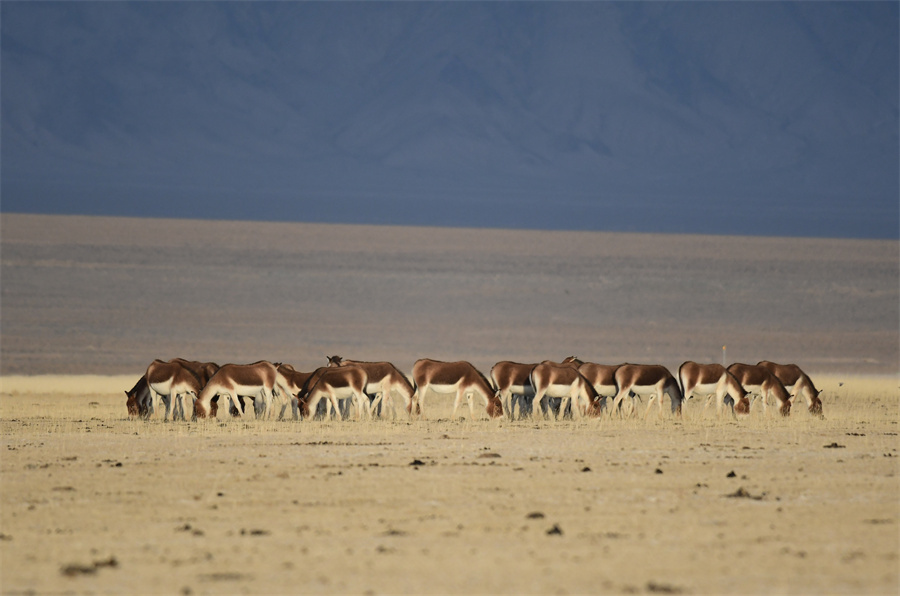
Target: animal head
{"x": 816, "y": 406}
{"x": 334, "y": 360}
{"x": 742, "y": 406}
{"x": 597, "y": 407}
{"x": 201, "y": 410}
{"x": 785, "y": 408}
{"x": 494, "y": 408}
{"x": 131, "y": 403}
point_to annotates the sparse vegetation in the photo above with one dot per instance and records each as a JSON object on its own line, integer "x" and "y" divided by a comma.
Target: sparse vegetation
{"x": 338, "y": 507}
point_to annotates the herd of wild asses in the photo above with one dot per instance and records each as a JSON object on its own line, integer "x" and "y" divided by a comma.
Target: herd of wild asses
{"x": 570, "y": 387}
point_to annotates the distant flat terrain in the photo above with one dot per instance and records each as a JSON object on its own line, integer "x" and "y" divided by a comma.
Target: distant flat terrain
{"x": 97, "y": 295}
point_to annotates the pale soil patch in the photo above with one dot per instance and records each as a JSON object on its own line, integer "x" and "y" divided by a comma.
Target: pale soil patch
{"x": 94, "y": 502}
{"x": 106, "y": 295}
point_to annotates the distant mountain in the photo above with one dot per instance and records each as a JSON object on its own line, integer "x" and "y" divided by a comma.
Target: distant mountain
{"x": 752, "y": 118}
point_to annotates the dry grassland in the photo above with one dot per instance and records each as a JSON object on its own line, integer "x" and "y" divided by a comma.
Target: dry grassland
{"x": 95, "y": 502}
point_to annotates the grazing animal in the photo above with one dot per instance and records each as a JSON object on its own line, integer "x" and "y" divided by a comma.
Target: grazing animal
{"x": 204, "y": 372}
{"x": 384, "y": 378}
{"x": 513, "y": 383}
{"x": 172, "y": 382}
{"x": 460, "y": 378}
{"x": 555, "y": 403}
{"x": 333, "y": 384}
{"x": 296, "y": 382}
{"x": 260, "y": 380}
{"x": 139, "y": 402}
{"x": 602, "y": 377}
{"x": 562, "y": 380}
{"x": 648, "y": 379}
{"x": 757, "y": 380}
{"x": 713, "y": 380}
{"x": 796, "y": 382}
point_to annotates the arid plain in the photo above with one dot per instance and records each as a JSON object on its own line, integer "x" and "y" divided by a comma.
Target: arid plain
{"x": 94, "y": 502}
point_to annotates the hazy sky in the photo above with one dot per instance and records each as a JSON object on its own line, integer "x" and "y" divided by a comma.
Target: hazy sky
{"x": 761, "y": 118}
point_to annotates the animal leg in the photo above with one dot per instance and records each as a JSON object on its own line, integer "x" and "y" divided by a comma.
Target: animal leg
{"x": 617, "y": 402}
{"x": 418, "y": 403}
{"x": 537, "y": 404}
{"x": 361, "y": 400}
{"x": 456, "y": 402}
{"x": 167, "y": 399}
{"x": 176, "y": 405}
{"x": 650, "y": 404}
{"x": 376, "y": 404}
{"x": 506, "y": 402}
{"x": 236, "y": 402}
{"x": 472, "y": 406}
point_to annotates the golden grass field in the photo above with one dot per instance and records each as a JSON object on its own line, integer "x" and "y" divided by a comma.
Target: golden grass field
{"x": 94, "y": 502}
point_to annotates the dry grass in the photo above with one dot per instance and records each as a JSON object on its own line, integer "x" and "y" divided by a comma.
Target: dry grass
{"x": 95, "y": 502}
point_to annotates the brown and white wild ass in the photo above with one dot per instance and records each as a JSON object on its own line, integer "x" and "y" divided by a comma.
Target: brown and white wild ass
{"x": 296, "y": 382}
{"x": 334, "y": 384}
{"x": 172, "y": 382}
{"x": 562, "y": 380}
{"x": 796, "y": 382}
{"x": 602, "y": 377}
{"x": 648, "y": 379}
{"x": 139, "y": 402}
{"x": 713, "y": 380}
{"x": 258, "y": 381}
{"x": 460, "y": 378}
{"x": 514, "y": 388}
{"x": 384, "y": 378}
{"x": 757, "y": 380}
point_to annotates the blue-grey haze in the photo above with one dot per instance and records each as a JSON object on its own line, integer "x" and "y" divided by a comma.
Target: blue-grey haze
{"x": 769, "y": 118}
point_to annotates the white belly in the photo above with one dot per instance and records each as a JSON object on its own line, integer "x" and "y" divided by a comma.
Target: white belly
{"x": 705, "y": 388}
{"x": 560, "y": 391}
{"x": 644, "y": 389}
{"x": 754, "y": 389}
{"x": 341, "y": 392}
{"x": 248, "y": 390}
{"x": 606, "y": 390}
{"x": 521, "y": 390}
{"x": 444, "y": 388}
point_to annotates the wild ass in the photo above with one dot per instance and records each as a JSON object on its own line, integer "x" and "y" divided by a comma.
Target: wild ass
{"x": 757, "y": 380}
{"x": 296, "y": 381}
{"x": 796, "y": 382}
{"x": 648, "y": 379}
{"x": 602, "y": 377}
{"x": 333, "y": 384}
{"x": 139, "y": 401}
{"x": 562, "y": 380}
{"x": 513, "y": 383}
{"x": 713, "y": 380}
{"x": 460, "y": 378}
{"x": 559, "y": 403}
{"x": 260, "y": 380}
{"x": 172, "y": 382}
{"x": 384, "y": 378}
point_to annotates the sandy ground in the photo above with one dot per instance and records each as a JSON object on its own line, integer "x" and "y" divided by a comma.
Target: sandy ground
{"x": 91, "y": 501}
{"x": 94, "y": 502}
